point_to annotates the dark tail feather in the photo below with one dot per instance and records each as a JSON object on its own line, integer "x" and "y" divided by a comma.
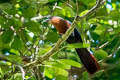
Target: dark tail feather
{"x": 88, "y": 60}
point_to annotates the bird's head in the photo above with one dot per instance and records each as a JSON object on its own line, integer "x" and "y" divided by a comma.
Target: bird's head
{"x": 59, "y": 23}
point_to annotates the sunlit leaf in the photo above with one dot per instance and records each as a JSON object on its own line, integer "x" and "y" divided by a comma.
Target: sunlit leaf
{"x": 70, "y": 62}
{"x": 78, "y": 45}
{"x": 100, "y": 54}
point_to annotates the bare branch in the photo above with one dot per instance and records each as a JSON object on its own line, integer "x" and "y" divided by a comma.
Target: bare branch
{"x": 22, "y": 71}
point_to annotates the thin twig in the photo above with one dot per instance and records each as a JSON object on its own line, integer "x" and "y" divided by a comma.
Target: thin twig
{"x": 22, "y": 71}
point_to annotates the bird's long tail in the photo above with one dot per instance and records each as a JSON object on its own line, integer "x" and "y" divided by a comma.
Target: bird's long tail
{"x": 88, "y": 60}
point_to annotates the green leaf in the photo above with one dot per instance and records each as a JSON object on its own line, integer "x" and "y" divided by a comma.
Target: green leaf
{"x": 59, "y": 64}
{"x": 5, "y": 6}
{"x": 17, "y": 23}
{"x": 29, "y": 12}
{"x": 85, "y": 25}
{"x": 100, "y": 54}
{"x": 102, "y": 12}
{"x": 30, "y": 1}
{"x": 114, "y": 14}
{"x": 4, "y": 67}
{"x": 52, "y": 36}
{"x": 14, "y": 59}
{"x": 14, "y": 51}
{"x": 17, "y": 43}
{"x": 34, "y": 27}
{"x": 54, "y": 71}
{"x": 44, "y": 49}
{"x": 25, "y": 36}
{"x": 6, "y": 37}
{"x": 2, "y": 20}
{"x": 45, "y": 10}
{"x": 48, "y": 72}
{"x": 70, "y": 62}
{"x": 60, "y": 77}
{"x": 100, "y": 29}
{"x": 84, "y": 12}
{"x": 86, "y": 76}
{"x": 78, "y": 45}
{"x": 43, "y": 1}
{"x": 94, "y": 35}
{"x": 18, "y": 76}
{"x": 87, "y": 2}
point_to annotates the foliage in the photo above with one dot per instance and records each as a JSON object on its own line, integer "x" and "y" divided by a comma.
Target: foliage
{"x": 24, "y": 37}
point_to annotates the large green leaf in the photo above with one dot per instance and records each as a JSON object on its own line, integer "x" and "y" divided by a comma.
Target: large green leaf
{"x": 6, "y": 37}
{"x": 29, "y": 11}
{"x": 114, "y": 14}
{"x": 59, "y": 64}
{"x": 34, "y": 27}
{"x": 52, "y": 71}
{"x": 5, "y": 6}
{"x": 25, "y": 36}
{"x": 100, "y": 54}
{"x": 100, "y": 29}
{"x": 14, "y": 59}
{"x": 52, "y": 36}
{"x": 17, "y": 43}
{"x": 70, "y": 62}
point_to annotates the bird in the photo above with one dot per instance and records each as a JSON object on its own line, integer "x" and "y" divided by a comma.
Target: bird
{"x": 87, "y": 59}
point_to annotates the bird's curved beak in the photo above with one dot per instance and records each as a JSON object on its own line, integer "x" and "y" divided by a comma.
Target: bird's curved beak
{"x": 47, "y": 20}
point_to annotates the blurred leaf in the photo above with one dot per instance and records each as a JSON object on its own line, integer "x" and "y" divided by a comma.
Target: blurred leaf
{"x": 54, "y": 71}
{"x": 44, "y": 49}
{"x": 34, "y": 27}
{"x": 87, "y": 2}
{"x": 86, "y": 76}
{"x": 85, "y": 25}
{"x": 4, "y": 67}
{"x": 29, "y": 12}
{"x": 52, "y": 36}
{"x": 14, "y": 59}
{"x": 100, "y": 54}
{"x": 59, "y": 64}
{"x": 60, "y": 77}
{"x": 78, "y": 45}
{"x": 25, "y": 36}
{"x": 49, "y": 72}
{"x": 6, "y": 37}
{"x": 114, "y": 14}
{"x": 17, "y": 23}
{"x": 100, "y": 30}
{"x": 118, "y": 54}
{"x": 17, "y": 43}
{"x": 14, "y": 51}
{"x": 5, "y": 6}
{"x": 45, "y": 10}
{"x": 18, "y": 76}
{"x": 102, "y": 12}
{"x": 30, "y": 1}
{"x": 70, "y": 62}
{"x": 94, "y": 35}
{"x": 84, "y": 12}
